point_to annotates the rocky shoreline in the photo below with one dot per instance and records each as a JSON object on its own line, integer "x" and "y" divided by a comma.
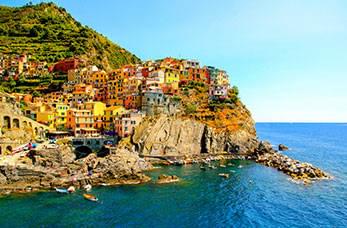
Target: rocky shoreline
{"x": 43, "y": 170}
{"x": 46, "y": 169}
{"x": 297, "y": 170}
{"x": 264, "y": 154}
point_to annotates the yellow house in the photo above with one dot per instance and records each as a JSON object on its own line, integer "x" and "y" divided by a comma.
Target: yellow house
{"x": 172, "y": 77}
{"x": 61, "y": 115}
{"x": 98, "y": 111}
{"x": 110, "y": 114}
{"x": 47, "y": 118}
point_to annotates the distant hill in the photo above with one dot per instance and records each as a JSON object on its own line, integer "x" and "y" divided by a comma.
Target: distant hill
{"x": 49, "y": 33}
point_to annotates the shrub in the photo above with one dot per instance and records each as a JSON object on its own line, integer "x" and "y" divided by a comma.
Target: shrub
{"x": 190, "y": 108}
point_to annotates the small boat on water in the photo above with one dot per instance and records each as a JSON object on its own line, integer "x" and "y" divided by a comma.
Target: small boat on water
{"x": 61, "y": 190}
{"x": 203, "y": 168}
{"x": 223, "y": 166}
{"x": 225, "y": 175}
{"x": 90, "y": 197}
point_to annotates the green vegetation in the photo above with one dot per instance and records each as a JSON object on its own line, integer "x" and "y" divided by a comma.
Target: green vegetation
{"x": 48, "y": 33}
{"x": 190, "y": 108}
{"x": 45, "y": 83}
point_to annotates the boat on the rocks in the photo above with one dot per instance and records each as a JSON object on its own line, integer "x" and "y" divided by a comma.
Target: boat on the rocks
{"x": 87, "y": 187}
{"x": 62, "y": 190}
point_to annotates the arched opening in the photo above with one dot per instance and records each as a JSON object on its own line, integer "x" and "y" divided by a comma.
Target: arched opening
{"x": 36, "y": 131}
{"x": 82, "y": 151}
{"x": 7, "y": 122}
{"x": 0, "y": 150}
{"x": 103, "y": 152}
{"x": 42, "y": 133}
{"x": 30, "y": 124}
{"x": 25, "y": 124}
{"x": 9, "y": 149}
{"x": 16, "y": 123}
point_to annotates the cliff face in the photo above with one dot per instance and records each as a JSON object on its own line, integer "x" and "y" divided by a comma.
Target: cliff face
{"x": 184, "y": 136}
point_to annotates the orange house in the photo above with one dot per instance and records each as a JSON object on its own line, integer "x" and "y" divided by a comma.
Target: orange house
{"x": 198, "y": 75}
{"x": 79, "y": 119}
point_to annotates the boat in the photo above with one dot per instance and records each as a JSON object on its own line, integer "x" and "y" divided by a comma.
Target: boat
{"x": 203, "y": 168}
{"x": 71, "y": 189}
{"x": 225, "y": 175}
{"x": 61, "y": 190}
{"x": 90, "y": 197}
{"x": 88, "y": 187}
{"x": 223, "y": 166}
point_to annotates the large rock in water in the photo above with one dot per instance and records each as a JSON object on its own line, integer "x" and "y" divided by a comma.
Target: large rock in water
{"x": 170, "y": 136}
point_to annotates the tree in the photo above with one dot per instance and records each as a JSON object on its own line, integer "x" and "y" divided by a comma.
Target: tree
{"x": 12, "y": 83}
{"x": 3, "y": 30}
{"x": 36, "y": 94}
{"x": 235, "y": 90}
{"x": 35, "y": 31}
{"x": 190, "y": 108}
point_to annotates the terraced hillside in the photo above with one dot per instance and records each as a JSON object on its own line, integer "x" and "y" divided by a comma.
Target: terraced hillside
{"x": 49, "y": 33}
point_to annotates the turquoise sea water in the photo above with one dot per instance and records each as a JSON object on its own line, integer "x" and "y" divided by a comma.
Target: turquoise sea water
{"x": 253, "y": 196}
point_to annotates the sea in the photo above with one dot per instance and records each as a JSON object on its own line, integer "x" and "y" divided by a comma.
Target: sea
{"x": 253, "y": 195}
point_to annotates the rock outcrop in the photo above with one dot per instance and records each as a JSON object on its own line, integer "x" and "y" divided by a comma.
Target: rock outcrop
{"x": 57, "y": 168}
{"x": 166, "y": 179}
{"x": 282, "y": 147}
{"x": 266, "y": 155}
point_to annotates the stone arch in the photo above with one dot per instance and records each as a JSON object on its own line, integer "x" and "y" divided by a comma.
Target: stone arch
{"x": 25, "y": 124}
{"x": 30, "y": 125}
{"x": 36, "y": 131}
{"x": 7, "y": 122}
{"x": 15, "y": 123}
{"x": 82, "y": 151}
{"x": 9, "y": 148}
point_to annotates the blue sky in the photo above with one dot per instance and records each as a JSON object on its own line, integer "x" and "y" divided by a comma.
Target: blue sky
{"x": 288, "y": 58}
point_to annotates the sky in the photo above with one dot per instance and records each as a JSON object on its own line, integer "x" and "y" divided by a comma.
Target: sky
{"x": 288, "y": 58}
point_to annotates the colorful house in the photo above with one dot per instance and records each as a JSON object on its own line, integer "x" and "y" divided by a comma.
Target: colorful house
{"x": 47, "y": 118}
{"x": 61, "y": 110}
{"x": 77, "y": 120}
{"x": 65, "y": 65}
{"x": 98, "y": 111}
{"x": 110, "y": 114}
{"x": 172, "y": 77}
{"x": 98, "y": 79}
{"x": 126, "y": 123}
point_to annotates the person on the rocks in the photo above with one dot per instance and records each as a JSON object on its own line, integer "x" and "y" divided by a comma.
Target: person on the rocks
{"x": 90, "y": 170}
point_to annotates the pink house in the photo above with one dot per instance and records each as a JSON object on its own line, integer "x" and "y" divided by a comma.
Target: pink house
{"x": 126, "y": 124}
